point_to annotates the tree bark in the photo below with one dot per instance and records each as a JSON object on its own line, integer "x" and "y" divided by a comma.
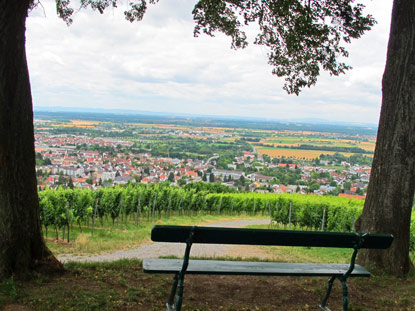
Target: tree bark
{"x": 22, "y": 248}
{"x": 392, "y": 183}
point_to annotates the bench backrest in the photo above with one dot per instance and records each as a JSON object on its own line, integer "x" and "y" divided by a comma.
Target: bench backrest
{"x": 219, "y": 235}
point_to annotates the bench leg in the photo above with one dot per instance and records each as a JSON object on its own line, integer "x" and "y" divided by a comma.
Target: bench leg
{"x": 345, "y": 294}
{"x": 178, "y": 282}
{"x": 179, "y": 297}
{"x": 326, "y": 297}
{"x": 178, "y": 285}
{"x": 170, "y": 303}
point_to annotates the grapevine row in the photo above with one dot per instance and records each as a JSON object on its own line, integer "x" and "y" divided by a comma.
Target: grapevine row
{"x": 138, "y": 202}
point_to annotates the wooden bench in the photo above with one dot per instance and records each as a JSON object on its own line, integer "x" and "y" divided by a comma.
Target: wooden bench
{"x": 216, "y": 235}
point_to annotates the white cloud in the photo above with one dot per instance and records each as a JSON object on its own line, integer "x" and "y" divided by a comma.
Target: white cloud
{"x": 157, "y": 64}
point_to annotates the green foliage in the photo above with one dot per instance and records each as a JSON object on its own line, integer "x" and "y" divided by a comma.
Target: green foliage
{"x": 62, "y": 207}
{"x": 82, "y": 207}
{"x": 207, "y": 187}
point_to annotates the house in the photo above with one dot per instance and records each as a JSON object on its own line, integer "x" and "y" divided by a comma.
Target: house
{"x": 326, "y": 188}
{"x": 192, "y": 174}
{"x": 259, "y": 177}
{"x": 145, "y": 180}
{"x": 280, "y": 189}
{"x": 232, "y": 166}
{"x": 108, "y": 175}
{"x": 163, "y": 177}
{"x": 122, "y": 180}
{"x": 293, "y": 166}
{"x": 71, "y": 171}
{"x": 80, "y": 180}
{"x": 248, "y": 154}
{"x": 291, "y": 188}
{"x": 253, "y": 186}
{"x": 227, "y": 173}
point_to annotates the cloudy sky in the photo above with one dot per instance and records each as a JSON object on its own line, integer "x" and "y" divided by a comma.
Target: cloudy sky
{"x": 105, "y": 62}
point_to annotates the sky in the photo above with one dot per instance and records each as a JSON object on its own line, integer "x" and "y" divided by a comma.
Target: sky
{"x": 156, "y": 65}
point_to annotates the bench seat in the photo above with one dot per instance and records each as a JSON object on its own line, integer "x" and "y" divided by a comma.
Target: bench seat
{"x": 171, "y": 266}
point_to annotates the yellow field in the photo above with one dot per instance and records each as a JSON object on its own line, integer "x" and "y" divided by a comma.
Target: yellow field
{"x": 213, "y": 130}
{"x": 296, "y": 153}
{"x": 78, "y": 123}
{"x": 370, "y": 145}
{"x": 83, "y": 122}
{"x": 295, "y": 141}
{"x": 163, "y": 126}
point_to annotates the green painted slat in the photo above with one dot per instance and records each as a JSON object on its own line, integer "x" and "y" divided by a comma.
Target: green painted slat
{"x": 220, "y": 267}
{"x": 218, "y": 235}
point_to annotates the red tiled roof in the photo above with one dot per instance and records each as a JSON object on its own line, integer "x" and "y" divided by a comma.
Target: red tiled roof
{"x": 352, "y": 196}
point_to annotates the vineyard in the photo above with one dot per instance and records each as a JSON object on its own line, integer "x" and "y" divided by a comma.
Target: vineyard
{"x": 63, "y": 208}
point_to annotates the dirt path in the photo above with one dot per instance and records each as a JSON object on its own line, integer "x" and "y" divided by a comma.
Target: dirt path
{"x": 154, "y": 250}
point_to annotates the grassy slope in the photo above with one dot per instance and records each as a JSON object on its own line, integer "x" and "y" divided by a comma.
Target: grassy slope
{"x": 122, "y": 236}
{"x": 122, "y": 285}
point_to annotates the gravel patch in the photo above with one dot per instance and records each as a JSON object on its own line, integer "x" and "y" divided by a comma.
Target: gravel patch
{"x": 155, "y": 250}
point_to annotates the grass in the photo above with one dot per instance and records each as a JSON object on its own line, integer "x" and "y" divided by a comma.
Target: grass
{"x": 109, "y": 238}
{"x": 121, "y": 285}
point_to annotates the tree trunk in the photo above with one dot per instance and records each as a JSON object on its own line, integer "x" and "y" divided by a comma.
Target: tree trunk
{"x": 21, "y": 243}
{"x": 392, "y": 183}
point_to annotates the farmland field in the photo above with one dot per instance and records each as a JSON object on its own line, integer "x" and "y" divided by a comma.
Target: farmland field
{"x": 295, "y": 153}
{"x": 78, "y": 123}
{"x": 370, "y": 145}
{"x": 296, "y": 141}
{"x": 309, "y": 146}
{"x": 207, "y": 129}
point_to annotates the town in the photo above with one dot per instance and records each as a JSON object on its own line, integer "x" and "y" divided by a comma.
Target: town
{"x": 91, "y": 161}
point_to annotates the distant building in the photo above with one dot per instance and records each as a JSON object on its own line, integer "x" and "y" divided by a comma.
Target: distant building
{"x": 108, "y": 175}
{"x": 259, "y": 177}
{"x": 122, "y": 180}
{"x": 227, "y": 173}
{"x": 232, "y": 166}
{"x": 71, "y": 170}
